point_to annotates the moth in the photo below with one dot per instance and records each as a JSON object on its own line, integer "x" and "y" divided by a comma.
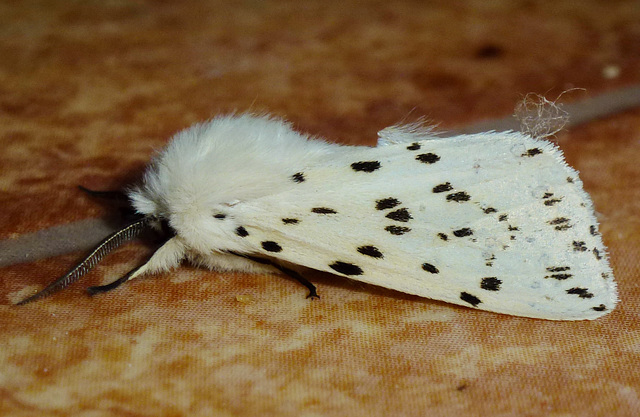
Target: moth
{"x": 495, "y": 221}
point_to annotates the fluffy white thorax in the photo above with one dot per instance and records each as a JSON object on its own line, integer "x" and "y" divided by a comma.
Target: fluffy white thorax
{"x": 218, "y": 164}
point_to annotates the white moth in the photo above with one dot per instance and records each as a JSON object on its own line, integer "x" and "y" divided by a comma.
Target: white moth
{"x": 494, "y": 221}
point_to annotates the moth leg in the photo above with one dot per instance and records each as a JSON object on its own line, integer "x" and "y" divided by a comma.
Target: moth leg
{"x": 302, "y": 280}
{"x": 115, "y": 284}
{"x": 287, "y": 271}
{"x": 167, "y": 256}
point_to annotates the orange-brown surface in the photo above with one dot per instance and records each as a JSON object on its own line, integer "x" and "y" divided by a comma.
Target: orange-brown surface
{"x": 89, "y": 89}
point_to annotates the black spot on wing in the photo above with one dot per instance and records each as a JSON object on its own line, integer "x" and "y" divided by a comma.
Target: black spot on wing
{"x": 458, "y": 197}
{"x": 490, "y": 284}
{"x": 346, "y": 268}
{"x": 580, "y": 292}
{"x": 560, "y": 223}
{"x": 401, "y": 215}
{"x": 430, "y": 268}
{"x": 428, "y": 158}
{"x": 489, "y": 210}
{"x": 241, "y": 231}
{"x": 532, "y": 152}
{"x": 570, "y": 180}
{"x": 365, "y": 166}
{"x": 290, "y": 220}
{"x": 503, "y": 217}
{"x": 387, "y": 203}
{"x": 579, "y": 246}
{"x": 415, "y": 146}
{"x": 548, "y": 201}
{"x": 397, "y": 230}
{"x": 559, "y": 272}
{"x": 443, "y": 236}
{"x": 298, "y": 177}
{"x": 471, "y": 299}
{"x": 552, "y": 202}
{"x": 220, "y": 216}
{"x": 271, "y": 246}
{"x": 323, "y": 210}
{"x": 601, "y": 307}
{"x": 370, "y": 251}
{"x": 559, "y": 277}
{"x": 558, "y": 268}
{"x": 593, "y": 230}
{"x": 596, "y": 253}
{"x": 441, "y": 188}
{"x": 463, "y": 232}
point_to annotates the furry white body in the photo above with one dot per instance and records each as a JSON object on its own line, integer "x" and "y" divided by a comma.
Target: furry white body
{"x": 495, "y": 221}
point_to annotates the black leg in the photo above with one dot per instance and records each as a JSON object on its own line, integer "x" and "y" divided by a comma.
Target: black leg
{"x": 302, "y": 280}
{"x": 293, "y": 274}
{"x": 113, "y": 285}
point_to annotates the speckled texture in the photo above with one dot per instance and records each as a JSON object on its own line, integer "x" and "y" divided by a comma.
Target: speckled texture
{"x": 89, "y": 89}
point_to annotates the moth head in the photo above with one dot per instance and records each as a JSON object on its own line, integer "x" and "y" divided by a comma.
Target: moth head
{"x": 137, "y": 224}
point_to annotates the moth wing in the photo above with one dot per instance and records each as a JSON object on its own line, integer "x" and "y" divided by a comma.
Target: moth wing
{"x": 496, "y": 221}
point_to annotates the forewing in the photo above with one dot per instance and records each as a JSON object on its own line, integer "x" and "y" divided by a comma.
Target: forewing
{"x": 495, "y": 221}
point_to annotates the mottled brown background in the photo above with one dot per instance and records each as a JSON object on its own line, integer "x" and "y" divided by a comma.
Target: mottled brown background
{"x": 88, "y": 90}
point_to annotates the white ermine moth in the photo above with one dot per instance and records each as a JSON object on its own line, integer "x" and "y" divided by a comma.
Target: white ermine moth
{"x": 493, "y": 221}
